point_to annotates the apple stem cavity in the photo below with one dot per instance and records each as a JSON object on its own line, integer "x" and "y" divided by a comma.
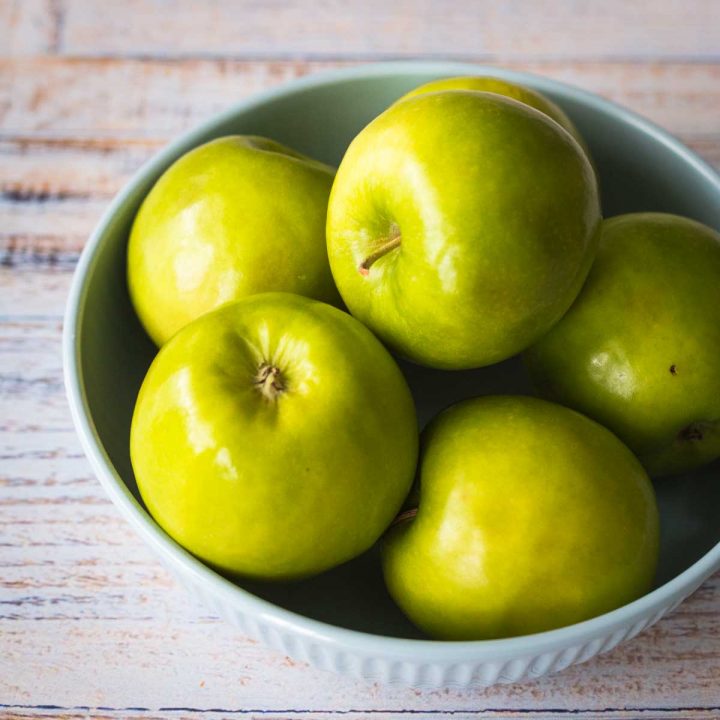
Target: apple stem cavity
{"x": 269, "y": 381}
{"x": 388, "y": 244}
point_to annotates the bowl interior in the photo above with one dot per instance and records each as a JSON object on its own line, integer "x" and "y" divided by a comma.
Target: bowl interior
{"x": 638, "y": 171}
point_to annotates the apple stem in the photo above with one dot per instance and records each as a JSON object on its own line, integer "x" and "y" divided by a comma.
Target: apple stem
{"x": 389, "y": 243}
{"x": 404, "y": 516}
{"x": 269, "y": 381}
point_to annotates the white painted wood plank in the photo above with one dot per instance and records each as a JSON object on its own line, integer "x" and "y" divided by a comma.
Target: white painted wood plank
{"x": 189, "y": 714}
{"x": 49, "y": 232}
{"x": 28, "y": 295}
{"x": 85, "y": 98}
{"x": 28, "y": 27}
{"x": 141, "y": 630}
{"x": 405, "y": 28}
{"x": 45, "y": 170}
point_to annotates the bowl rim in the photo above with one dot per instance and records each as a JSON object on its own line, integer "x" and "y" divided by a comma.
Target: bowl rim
{"x": 177, "y": 558}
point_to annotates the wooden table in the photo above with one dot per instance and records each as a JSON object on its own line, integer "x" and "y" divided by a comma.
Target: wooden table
{"x": 89, "y": 622}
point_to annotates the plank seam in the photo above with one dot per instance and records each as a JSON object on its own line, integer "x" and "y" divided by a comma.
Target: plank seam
{"x": 350, "y": 711}
{"x": 57, "y": 13}
{"x": 370, "y": 57}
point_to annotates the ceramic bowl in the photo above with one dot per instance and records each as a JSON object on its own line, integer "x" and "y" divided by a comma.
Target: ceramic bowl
{"x": 344, "y": 620}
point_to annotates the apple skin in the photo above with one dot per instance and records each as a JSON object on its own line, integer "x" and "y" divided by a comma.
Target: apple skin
{"x": 236, "y": 216}
{"x": 461, "y": 226}
{"x": 508, "y": 89}
{"x": 278, "y": 479}
{"x": 639, "y": 349}
{"x": 531, "y": 517}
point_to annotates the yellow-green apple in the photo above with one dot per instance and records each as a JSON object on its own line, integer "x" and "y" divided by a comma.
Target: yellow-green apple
{"x": 639, "y": 350}
{"x": 274, "y": 437}
{"x": 530, "y": 517}
{"x": 461, "y": 226}
{"x": 512, "y": 90}
{"x": 236, "y": 216}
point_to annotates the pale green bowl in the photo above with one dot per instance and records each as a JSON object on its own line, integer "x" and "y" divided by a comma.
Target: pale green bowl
{"x": 344, "y": 620}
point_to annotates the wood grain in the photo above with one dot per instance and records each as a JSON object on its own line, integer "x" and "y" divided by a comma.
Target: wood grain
{"x": 28, "y": 27}
{"x": 196, "y": 714}
{"x": 43, "y": 170}
{"x": 29, "y": 296}
{"x": 51, "y": 97}
{"x": 405, "y": 28}
{"x": 90, "y": 624}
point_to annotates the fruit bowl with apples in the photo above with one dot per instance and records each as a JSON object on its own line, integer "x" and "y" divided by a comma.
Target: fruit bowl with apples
{"x": 268, "y": 451}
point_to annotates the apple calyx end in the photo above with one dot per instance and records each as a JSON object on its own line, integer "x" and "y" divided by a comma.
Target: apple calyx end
{"x": 404, "y": 516}
{"x": 269, "y": 381}
{"x": 693, "y": 432}
{"x": 387, "y": 244}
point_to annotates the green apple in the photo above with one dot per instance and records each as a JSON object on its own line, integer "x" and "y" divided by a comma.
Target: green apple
{"x": 274, "y": 437}
{"x": 531, "y": 517}
{"x": 461, "y": 226}
{"x": 639, "y": 351}
{"x": 236, "y": 216}
{"x": 508, "y": 89}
